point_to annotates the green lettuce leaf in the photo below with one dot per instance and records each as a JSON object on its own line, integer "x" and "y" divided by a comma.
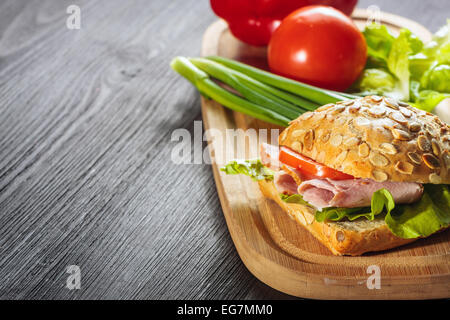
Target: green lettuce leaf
{"x": 443, "y": 54}
{"x": 439, "y": 47}
{"x": 398, "y": 62}
{"x": 375, "y": 81}
{"x": 379, "y": 41}
{"x": 252, "y": 168}
{"x": 294, "y": 198}
{"x": 425, "y": 99}
{"x": 424, "y": 217}
{"x": 388, "y": 58}
{"x": 418, "y": 65}
{"x": 437, "y": 78}
{"x": 337, "y": 214}
{"x": 415, "y": 44}
{"x": 405, "y": 68}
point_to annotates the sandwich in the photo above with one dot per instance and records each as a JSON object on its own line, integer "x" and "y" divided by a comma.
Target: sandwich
{"x": 361, "y": 175}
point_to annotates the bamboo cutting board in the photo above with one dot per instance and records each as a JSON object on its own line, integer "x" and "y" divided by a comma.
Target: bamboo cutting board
{"x": 277, "y": 250}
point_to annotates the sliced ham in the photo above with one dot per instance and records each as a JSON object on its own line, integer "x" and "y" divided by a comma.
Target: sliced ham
{"x": 323, "y": 193}
{"x": 284, "y": 183}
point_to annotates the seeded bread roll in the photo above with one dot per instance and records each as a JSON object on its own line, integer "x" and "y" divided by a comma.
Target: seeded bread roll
{"x": 376, "y": 138}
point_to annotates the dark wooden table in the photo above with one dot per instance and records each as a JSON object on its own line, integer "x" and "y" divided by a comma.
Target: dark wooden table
{"x": 86, "y": 118}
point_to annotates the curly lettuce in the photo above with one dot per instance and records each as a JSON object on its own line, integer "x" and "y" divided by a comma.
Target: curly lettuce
{"x": 375, "y": 81}
{"x": 405, "y": 68}
{"x": 422, "y": 218}
{"x": 379, "y": 42}
{"x": 252, "y": 168}
{"x": 294, "y": 198}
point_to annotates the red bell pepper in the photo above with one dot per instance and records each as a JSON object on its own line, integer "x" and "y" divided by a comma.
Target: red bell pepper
{"x": 254, "y": 21}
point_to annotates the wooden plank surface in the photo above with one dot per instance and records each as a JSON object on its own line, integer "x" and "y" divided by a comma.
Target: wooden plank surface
{"x": 86, "y": 118}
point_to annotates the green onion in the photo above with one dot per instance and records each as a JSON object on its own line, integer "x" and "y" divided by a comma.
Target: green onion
{"x": 296, "y": 100}
{"x": 240, "y": 81}
{"x": 257, "y": 93}
{"x": 209, "y": 88}
{"x": 306, "y": 91}
{"x": 251, "y": 92}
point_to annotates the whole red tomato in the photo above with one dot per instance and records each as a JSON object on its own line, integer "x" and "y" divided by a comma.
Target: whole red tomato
{"x": 318, "y": 45}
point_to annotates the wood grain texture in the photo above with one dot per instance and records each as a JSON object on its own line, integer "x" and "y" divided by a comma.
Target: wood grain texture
{"x": 85, "y": 123}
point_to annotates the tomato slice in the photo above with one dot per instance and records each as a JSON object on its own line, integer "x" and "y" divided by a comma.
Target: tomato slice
{"x": 307, "y": 165}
